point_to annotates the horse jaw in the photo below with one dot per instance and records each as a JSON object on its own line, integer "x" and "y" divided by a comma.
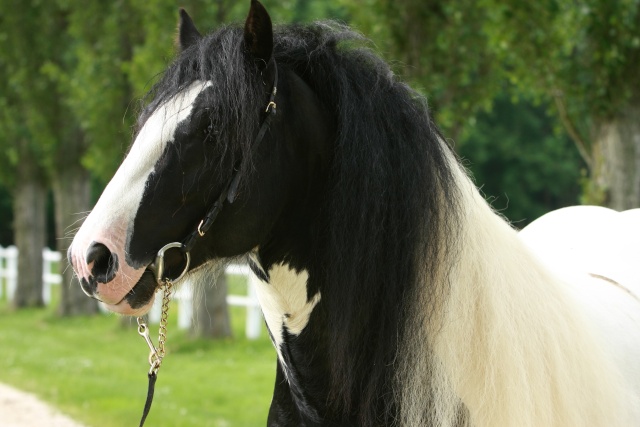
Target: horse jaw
{"x": 111, "y": 221}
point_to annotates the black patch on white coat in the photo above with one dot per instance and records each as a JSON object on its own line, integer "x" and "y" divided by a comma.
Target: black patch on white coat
{"x": 257, "y": 269}
{"x": 290, "y": 356}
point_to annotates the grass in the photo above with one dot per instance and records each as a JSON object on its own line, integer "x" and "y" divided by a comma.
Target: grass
{"x": 95, "y": 370}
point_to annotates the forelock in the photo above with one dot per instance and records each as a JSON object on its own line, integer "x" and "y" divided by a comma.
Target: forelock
{"x": 233, "y": 101}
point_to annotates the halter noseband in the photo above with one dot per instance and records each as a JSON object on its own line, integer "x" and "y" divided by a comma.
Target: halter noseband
{"x": 228, "y": 193}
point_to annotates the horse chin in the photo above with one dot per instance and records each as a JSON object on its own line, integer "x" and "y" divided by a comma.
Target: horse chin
{"x": 139, "y": 299}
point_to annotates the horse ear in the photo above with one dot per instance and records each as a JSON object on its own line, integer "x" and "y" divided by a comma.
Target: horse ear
{"x": 188, "y": 34}
{"x": 258, "y": 33}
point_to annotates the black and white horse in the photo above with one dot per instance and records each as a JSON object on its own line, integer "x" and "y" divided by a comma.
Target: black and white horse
{"x": 393, "y": 294}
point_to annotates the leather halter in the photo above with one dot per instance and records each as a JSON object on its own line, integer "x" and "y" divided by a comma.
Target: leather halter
{"x": 228, "y": 193}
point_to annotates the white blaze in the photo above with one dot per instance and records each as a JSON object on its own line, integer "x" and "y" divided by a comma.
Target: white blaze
{"x": 122, "y": 196}
{"x": 111, "y": 218}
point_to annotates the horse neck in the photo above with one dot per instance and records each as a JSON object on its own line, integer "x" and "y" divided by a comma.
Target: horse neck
{"x": 507, "y": 342}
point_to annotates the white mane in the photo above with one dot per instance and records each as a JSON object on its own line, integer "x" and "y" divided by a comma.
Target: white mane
{"x": 509, "y": 346}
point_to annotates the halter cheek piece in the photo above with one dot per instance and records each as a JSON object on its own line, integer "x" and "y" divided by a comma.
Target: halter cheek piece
{"x": 229, "y": 193}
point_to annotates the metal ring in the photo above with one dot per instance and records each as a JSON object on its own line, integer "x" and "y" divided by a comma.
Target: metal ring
{"x": 155, "y": 365}
{"x": 157, "y": 267}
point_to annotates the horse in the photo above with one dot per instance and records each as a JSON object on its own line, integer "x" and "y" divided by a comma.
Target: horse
{"x": 593, "y": 240}
{"x": 393, "y": 293}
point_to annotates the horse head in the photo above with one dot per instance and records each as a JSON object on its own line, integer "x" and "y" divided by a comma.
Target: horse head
{"x": 212, "y": 169}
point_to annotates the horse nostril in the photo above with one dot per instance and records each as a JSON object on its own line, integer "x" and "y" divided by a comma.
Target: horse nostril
{"x": 105, "y": 263}
{"x": 88, "y": 288}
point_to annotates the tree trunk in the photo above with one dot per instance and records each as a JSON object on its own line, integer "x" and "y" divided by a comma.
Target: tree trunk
{"x": 72, "y": 195}
{"x": 616, "y": 162}
{"x": 210, "y": 309}
{"x": 30, "y": 234}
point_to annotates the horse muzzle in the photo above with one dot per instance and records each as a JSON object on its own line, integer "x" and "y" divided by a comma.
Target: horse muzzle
{"x": 122, "y": 288}
{"x": 104, "y": 275}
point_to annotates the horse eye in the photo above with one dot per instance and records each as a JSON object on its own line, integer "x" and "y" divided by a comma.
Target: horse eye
{"x": 211, "y": 129}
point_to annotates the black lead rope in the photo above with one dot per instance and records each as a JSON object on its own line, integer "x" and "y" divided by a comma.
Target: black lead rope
{"x": 156, "y": 354}
{"x": 228, "y": 193}
{"x": 150, "y": 390}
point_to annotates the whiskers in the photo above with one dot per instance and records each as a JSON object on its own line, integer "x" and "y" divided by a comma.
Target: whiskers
{"x": 71, "y": 230}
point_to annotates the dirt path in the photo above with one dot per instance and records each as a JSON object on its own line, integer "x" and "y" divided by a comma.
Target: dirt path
{"x": 20, "y": 409}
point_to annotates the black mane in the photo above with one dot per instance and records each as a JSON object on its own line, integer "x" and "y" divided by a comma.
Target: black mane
{"x": 392, "y": 200}
{"x": 392, "y": 205}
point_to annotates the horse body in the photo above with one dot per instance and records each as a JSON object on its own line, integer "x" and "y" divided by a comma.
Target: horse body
{"x": 393, "y": 294}
{"x": 592, "y": 249}
{"x": 589, "y": 239}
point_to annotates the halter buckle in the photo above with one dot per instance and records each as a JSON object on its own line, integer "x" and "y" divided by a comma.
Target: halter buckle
{"x": 271, "y": 106}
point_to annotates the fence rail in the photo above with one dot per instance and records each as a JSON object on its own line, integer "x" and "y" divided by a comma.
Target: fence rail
{"x": 183, "y": 296}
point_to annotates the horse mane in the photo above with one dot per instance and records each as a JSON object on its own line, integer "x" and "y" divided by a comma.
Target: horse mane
{"x": 391, "y": 203}
{"x": 391, "y": 211}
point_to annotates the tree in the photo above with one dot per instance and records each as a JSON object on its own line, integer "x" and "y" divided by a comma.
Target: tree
{"x": 524, "y": 166}
{"x": 583, "y": 56}
{"x": 30, "y": 230}
{"x": 440, "y": 48}
{"x": 88, "y": 73}
{"x": 63, "y": 89}
{"x": 579, "y": 56}
{"x": 6, "y": 216}
{"x": 210, "y": 308}
{"x": 25, "y": 39}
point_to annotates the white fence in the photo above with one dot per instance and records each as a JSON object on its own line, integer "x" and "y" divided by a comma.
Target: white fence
{"x": 183, "y": 296}
{"x": 8, "y": 270}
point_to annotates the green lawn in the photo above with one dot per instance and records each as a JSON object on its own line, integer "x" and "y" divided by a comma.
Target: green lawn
{"x": 95, "y": 370}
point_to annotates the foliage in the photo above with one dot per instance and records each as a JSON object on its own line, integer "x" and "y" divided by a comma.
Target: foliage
{"x": 582, "y": 55}
{"x": 586, "y": 51}
{"x": 438, "y": 46}
{"x": 522, "y": 165}
{"x": 578, "y": 57}
{"x": 26, "y": 36}
{"x": 88, "y": 68}
{"x": 90, "y": 80}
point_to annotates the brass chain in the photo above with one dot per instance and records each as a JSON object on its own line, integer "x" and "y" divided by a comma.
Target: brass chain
{"x": 162, "y": 333}
{"x": 157, "y": 354}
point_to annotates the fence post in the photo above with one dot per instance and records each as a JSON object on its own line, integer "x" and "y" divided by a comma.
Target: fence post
{"x": 254, "y": 313}
{"x": 3, "y": 271}
{"x": 48, "y": 276}
{"x": 184, "y": 296}
{"x": 156, "y": 309}
{"x": 12, "y": 271}
{"x": 46, "y": 272}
